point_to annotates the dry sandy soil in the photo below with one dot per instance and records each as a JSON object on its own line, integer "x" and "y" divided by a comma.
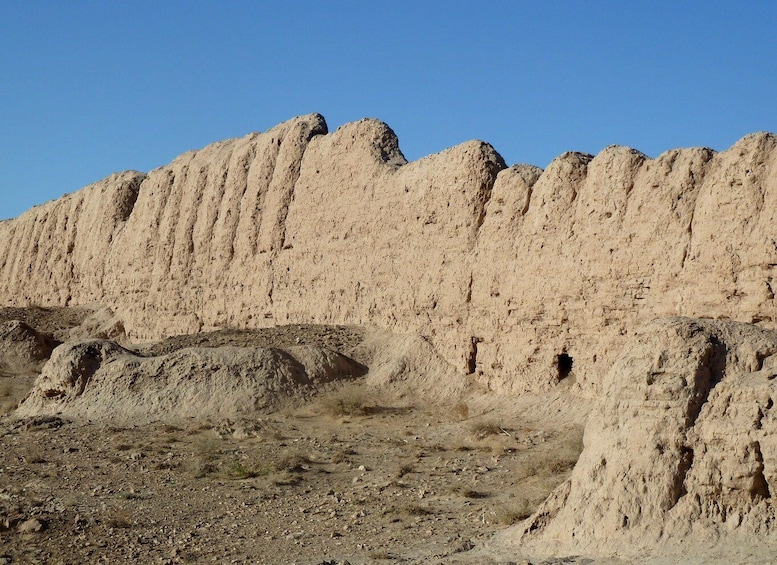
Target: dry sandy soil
{"x": 358, "y": 476}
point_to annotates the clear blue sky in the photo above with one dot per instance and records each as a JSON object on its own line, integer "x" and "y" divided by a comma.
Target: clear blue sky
{"x": 90, "y": 88}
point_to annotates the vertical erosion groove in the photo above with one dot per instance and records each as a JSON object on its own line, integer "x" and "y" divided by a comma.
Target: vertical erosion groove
{"x": 494, "y": 164}
{"x": 760, "y": 486}
{"x": 694, "y": 186}
{"x": 304, "y": 133}
{"x": 709, "y": 372}
{"x": 128, "y": 197}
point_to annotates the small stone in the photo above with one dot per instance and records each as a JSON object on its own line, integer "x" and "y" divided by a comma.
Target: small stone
{"x": 31, "y": 526}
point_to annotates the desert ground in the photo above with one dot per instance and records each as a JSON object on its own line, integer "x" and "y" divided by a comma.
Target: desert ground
{"x": 192, "y": 411}
{"x": 357, "y": 474}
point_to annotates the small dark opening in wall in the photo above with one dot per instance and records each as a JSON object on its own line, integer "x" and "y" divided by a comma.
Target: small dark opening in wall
{"x": 472, "y": 357}
{"x": 564, "y": 365}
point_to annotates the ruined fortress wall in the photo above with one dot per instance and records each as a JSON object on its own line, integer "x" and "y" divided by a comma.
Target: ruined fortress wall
{"x": 55, "y": 254}
{"x": 503, "y": 269}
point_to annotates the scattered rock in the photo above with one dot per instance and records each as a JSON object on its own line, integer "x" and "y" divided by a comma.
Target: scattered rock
{"x": 31, "y": 526}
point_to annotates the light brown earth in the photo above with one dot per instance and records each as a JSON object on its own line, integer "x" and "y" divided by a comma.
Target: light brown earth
{"x": 680, "y": 458}
{"x": 360, "y": 474}
{"x": 501, "y": 268}
{"x": 443, "y": 300}
{"x": 399, "y": 485}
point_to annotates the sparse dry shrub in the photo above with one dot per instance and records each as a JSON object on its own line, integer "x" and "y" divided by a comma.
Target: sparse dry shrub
{"x": 287, "y": 479}
{"x": 207, "y": 448}
{"x": 292, "y": 461}
{"x": 569, "y": 451}
{"x": 559, "y": 461}
{"x": 239, "y": 470}
{"x": 436, "y": 448}
{"x": 417, "y": 510}
{"x": 461, "y": 410}
{"x": 167, "y": 465}
{"x": 485, "y": 428}
{"x": 342, "y": 456}
{"x": 34, "y": 456}
{"x": 462, "y": 448}
{"x": 207, "y": 451}
{"x": 507, "y": 516}
{"x": 562, "y": 466}
{"x": 10, "y": 397}
{"x": 404, "y": 469}
{"x": 119, "y": 518}
{"x": 349, "y": 400}
{"x": 461, "y": 490}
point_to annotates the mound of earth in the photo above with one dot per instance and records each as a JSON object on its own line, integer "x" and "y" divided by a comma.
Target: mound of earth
{"x": 96, "y": 378}
{"x": 23, "y": 350}
{"x": 337, "y": 338}
{"x": 409, "y": 364}
{"x": 680, "y": 456}
{"x": 100, "y": 380}
{"x": 57, "y": 321}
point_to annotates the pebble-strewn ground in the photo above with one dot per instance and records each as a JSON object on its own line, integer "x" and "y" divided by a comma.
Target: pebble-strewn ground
{"x": 387, "y": 483}
{"x": 353, "y": 477}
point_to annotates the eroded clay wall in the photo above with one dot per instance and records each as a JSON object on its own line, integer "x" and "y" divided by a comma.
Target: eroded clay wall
{"x": 503, "y": 269}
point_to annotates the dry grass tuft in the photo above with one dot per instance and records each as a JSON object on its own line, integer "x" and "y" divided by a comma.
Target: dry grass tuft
{"x": 405, "y": 469}
{"x": 287, "y": 479}
{"x": 240, "y": 470}
{"x": 34, "y": 456}
{"x": 417, "y": 510}
{"x": 507, "y": 516}
{"x": 348, "y": 400}
{"x": 559, "y": 461}
{"x": 207, "y": 452}
{"x": 468, "y": 493}
{"x": 485, "y": 428}
{"x": 342, "y": 456}
{"x": 119, "y": 519}
{"x": 293, "y": 461}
